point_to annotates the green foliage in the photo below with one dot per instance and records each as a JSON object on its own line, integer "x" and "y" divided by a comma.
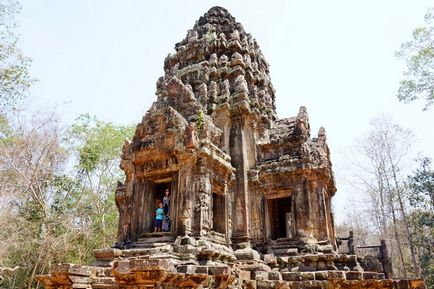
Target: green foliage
{"x": 56, "y": 216}
{"x": 98, "y": 146}
{"x": 14, "y": 75}
{"x": 97, "y": 142}
{"x": 419, "y": 55}
{"x": 421, "y": 198}
{"x": 200, "y": 120}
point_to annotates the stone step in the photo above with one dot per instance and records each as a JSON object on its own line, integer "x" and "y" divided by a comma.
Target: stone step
{"x": 285, "y": 241}
{"x": 103, "y": 282}
{"x": 150, "y": 245}
{"x": 282, "y": 246}
{"x": 285, "y": 252}
{"x": 153, "y": 240}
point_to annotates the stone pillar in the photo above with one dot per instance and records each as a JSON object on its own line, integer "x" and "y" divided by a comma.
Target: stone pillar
{"x": 240, "y": 210}
{"x": 185, "y": 201}
{"x": 202, "y": 215}
{"x": 302, "y": 208}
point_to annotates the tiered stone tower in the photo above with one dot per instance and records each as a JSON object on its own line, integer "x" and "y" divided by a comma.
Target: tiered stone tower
{"x": 213, "y": 138}
{"x": 250, "y": 194}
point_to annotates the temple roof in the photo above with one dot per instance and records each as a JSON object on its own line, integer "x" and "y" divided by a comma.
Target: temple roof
{"x": 221, "y": 63}
{"x": 220, "y": 19}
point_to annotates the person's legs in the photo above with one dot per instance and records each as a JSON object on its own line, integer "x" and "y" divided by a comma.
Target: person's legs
{"x": 157, "y": 226}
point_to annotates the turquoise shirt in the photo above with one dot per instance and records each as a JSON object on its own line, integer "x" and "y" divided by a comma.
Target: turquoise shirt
{"x": 159, "y": 213}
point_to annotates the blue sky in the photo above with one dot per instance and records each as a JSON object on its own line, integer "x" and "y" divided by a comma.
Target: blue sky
{"x": 335, "y": 57}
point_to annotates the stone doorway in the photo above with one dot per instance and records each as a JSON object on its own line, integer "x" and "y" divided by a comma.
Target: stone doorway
{"x": 155, "y": 195}
{"x": 281, "y": 220}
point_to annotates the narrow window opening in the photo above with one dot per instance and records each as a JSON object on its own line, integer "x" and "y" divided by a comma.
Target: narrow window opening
{"x": 218, "y": 210}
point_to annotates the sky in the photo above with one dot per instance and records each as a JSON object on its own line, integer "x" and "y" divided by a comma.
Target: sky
{"x": 335, "y": 57}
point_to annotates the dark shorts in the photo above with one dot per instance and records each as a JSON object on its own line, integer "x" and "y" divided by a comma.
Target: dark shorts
{"x": 158, "y": 223}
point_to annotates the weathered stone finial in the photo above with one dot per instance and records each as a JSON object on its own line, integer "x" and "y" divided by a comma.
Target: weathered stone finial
{"x": 322, "y": 133}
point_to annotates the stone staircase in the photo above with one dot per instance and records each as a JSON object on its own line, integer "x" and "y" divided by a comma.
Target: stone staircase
{"x": 285, "y": 247}
{"x": 153, "y": 240}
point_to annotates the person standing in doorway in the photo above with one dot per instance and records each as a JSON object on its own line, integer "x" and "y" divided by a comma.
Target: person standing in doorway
{"x": 159, "y": 215}
{"x": 166, "y": 202}
{"x": 166, "y": 207}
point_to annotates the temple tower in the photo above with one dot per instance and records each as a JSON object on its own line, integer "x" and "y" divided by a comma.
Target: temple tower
{"x": 236, "y": 173}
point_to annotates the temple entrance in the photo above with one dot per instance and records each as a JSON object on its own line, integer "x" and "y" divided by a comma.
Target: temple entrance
{"x": 155, "y": 196}
{"x": 281, "y": 218}
{"x": 219, "y": 213}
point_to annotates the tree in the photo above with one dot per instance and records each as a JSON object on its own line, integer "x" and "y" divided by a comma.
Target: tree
{"x": 31, "y": 159}
{"x": 98, "y": 146}
{"x": 421, "y": 198}
{"x": 419, "y": 56}
{"x": 381, "y": 153}
{"x": 57, "y": 194}
{"x": 14, "y": 74}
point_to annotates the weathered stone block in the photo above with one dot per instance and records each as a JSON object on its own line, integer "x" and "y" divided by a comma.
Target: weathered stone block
{"x": 187, "y": 269}
{"x": 260, "y": 275}
{"x": 325, "y": 248}
{"x": 81, "y": 280}
{"x": 353, "y": 275}
{"x": 262, "y": 284}
{"x": 274, "y": 275}
{"x": 322, "y": 265}
{"x": 250, "y": 284}
{"x": 337, "y": 275}
{"x": 307, "y": 276}
{"x": 186, "y": 240}
{"x": 417, "y": 284}
{"x": 401, "y": 284}
{"x": 81, "y": 286}
{"x": 307, "y": 268}
{"x": 321, "y": 275}
{"x": 370, "y": 275}
{"x": 292, "y": 251}
{"x": 291, "y": 276}
{"x": 107, "y": 253}
{"x": 270, "y": 259}
{"x": 244, "y": 275}
{"x": 218, "y": 270}
{"x": 80, "y": 270}
{"x": 247, "y": 254}
{"x": 202, "y": 269}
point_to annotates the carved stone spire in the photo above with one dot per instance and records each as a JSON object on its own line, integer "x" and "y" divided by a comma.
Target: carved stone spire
{"x": 218, "y": 50}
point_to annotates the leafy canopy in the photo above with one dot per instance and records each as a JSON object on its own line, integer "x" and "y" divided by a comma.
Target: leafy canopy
{"x": 98, "y": 143}
{"x": 419, "y": 56}
{"x": 14, "y": 66}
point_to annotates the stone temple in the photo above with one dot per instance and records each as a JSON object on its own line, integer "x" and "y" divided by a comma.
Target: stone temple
{"x": 249, "y": 194}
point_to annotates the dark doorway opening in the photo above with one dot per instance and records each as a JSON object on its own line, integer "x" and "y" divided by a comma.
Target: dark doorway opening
{"x": 281, "y": 217}
{"x": 155, "y": 197}
{"x": 159, "y": 190}
{"x": 219, "y": 213}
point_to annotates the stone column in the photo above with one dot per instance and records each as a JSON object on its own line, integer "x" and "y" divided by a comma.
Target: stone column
{"x": 203, "y": 204}
{"x": 238, "y": 152}
{"x": 185, "y": 201}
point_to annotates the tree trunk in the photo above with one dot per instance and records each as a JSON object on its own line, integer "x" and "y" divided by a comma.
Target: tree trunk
{"x": 395, "y": 229}
{"x": 406, "y": 224}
